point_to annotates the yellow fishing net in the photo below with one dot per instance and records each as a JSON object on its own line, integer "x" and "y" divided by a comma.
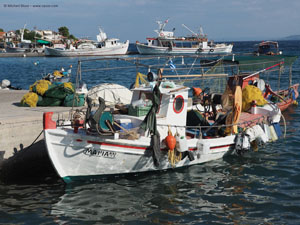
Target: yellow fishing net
{"x": 251, "y": 93}
{"x": 57, "y": 73}
{"x": 30, "y": 99}
{"x": 69, "y": 86}
{"x": 40, "y": 86}
{"x": 140, "y": 79}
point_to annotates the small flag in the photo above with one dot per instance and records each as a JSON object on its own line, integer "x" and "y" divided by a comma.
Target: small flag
{"x": 172, "y": 66}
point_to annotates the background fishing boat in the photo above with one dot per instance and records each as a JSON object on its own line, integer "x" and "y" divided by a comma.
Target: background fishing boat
{"x": 103, "y": 47}
{"x": 23, "y": 46}
{"x": 268, "y": 48}
{"x": 166, "y": 43}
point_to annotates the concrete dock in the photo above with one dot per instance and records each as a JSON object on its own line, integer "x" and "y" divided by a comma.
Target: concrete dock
{"x": 20, "y": 126}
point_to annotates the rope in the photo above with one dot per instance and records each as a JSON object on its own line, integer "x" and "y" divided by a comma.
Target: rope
{"x": 35, "y": 140}
{"x": 192, "y": 66}
{"x": 284, "y": 123}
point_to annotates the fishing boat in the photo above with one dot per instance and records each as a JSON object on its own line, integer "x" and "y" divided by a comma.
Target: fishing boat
{"x": 103, "y": 47}
{"x": 283, "y": 98}
{"x": 162, "y": 128}
{"x": 268, "y": 48}
{"x": 24, "y": 46}
{"x": 167, "y": 43}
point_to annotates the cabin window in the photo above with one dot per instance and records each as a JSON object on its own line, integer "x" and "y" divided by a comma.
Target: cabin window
{"x": 178, "y": 104}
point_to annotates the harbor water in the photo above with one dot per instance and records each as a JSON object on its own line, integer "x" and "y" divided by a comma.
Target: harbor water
{"x": 260, "y": 187}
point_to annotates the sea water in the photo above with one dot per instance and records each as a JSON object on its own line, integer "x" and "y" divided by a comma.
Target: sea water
{"x": 257, "y": 188}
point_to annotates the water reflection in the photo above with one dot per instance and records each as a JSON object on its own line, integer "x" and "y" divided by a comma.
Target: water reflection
{"x": 217, "y": 191}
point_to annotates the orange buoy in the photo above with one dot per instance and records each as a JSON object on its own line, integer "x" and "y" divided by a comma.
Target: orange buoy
{"x": 170, "y": 141}
{"x": 197, "y": 91}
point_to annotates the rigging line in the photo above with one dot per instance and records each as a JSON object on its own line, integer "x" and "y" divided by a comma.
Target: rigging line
{"x": 35, "y": 140}
{"x": 284, "y": 122}
{"x": 114, "y": 68}
{"x": 192, "y": 65}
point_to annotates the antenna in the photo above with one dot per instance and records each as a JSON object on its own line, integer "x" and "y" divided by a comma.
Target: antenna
{"x": 189, "y": 30}
{"x": 201, "y": 31}
{"x": 161, "y": 25}
{"x": 102, "y": 35}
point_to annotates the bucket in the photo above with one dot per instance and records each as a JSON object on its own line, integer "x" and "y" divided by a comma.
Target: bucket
{"x": 181, "y": 144}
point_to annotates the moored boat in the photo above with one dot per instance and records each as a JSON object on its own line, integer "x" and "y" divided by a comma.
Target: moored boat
{"x": 24, "y": 46}
{"x": 159, "y": 131}
{"x": 166, "y": 43}
{"x": 283, "y": 98}
{"x": 268, "y": 48}
{"x": 103, "y": 47}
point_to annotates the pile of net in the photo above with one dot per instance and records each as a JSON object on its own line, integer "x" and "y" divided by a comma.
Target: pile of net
{"x": 45, "y": 93}
{"x": 250, "y": 94}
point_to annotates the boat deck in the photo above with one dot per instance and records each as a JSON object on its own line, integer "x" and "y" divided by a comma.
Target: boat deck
{"x": 248, "y": 119}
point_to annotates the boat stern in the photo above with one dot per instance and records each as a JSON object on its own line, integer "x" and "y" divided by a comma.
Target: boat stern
{"x": 48, "y": 123}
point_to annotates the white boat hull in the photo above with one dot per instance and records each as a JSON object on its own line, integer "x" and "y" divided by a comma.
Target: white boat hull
{"x": 79, "y": 154}
{"x": 104, "y": 51}
{"x": 149, "y": 50}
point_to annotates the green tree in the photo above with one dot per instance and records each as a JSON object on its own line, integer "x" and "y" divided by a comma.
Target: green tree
{"x": 64, "y": 31}
{"x": 31, "y": 36}
{"x": 1, "y": 30}
{"x": 72, "y": 37}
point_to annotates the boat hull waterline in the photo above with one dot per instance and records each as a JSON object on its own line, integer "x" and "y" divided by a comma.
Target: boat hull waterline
{"x": 148, "y": 50}
{"x": 116, "y": 50}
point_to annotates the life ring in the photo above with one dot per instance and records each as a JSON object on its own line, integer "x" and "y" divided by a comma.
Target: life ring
{"x": 161, "y": 34}
{"x": 211, "y": 50}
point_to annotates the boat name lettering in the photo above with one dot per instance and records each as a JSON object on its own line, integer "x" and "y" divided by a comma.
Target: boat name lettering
{"x": 99, "y": 153}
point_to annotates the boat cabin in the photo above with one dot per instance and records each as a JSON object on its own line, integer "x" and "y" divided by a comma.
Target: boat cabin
{"x": 177, "y": 42}
{"x": 108, "y": 43}
{"x": 172, "y": 108}
{"x": 268, "y": 48}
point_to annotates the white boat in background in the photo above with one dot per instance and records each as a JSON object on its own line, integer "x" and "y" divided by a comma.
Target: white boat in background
{"x": 154, "y": 134}
{"x": 103, "y": 47}
{"x": 167, "y": 43}
{"x": 24, "y": 46}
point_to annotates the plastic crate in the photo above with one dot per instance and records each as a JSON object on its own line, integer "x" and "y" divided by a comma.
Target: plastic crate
{"x": 138, "y": 110}
{"x": 125, "y": 123}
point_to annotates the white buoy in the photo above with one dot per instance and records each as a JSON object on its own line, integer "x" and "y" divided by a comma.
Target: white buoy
{"x": 5, "y": 84}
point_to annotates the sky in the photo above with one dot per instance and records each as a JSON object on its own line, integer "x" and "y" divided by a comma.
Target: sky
{"x": 134, "y": 20}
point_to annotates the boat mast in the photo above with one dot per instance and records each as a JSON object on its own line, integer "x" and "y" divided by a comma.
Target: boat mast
{"x": 161, "y": 26}
{"x": 201, "y": 32}
{"x": 22, "y": 32}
